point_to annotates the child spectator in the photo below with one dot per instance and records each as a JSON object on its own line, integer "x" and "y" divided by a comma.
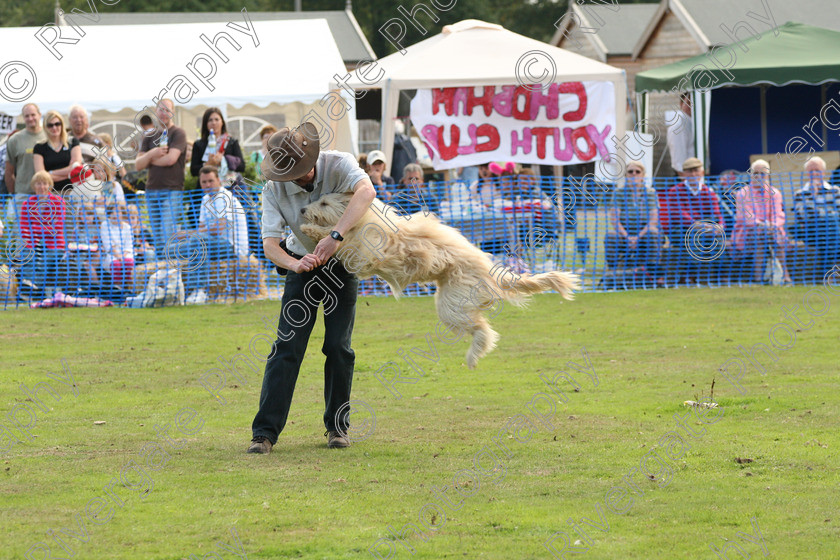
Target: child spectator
{"x": 144, "y": 250}
{"x": 114, "y": 159}
{"x": 85, "y": 240}
{"x": 42, "y": 229}
{"x": 117, "y": 246}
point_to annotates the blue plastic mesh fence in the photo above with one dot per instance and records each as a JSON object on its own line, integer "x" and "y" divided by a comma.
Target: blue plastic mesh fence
{"x": 165, "y": 248}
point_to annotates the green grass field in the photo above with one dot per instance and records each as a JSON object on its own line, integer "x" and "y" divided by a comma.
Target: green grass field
{"x": 150, "y": 484}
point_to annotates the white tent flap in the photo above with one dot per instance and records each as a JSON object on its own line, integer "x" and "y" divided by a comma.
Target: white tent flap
{"x": 112, "y": 67}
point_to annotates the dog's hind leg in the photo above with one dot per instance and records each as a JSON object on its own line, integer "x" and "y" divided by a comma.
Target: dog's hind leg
{"x": 458, "y": 311}
{"x": 484, "y": 340}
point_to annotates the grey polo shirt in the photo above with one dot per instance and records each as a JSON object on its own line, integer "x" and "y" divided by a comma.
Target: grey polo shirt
{"x": 282, "y": 200}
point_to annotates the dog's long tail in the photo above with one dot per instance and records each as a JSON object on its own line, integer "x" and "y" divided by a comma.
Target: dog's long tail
{"x": 565, "y": 283}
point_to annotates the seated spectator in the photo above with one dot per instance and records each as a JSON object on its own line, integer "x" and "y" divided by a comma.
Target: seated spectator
{"x": 117, "y": 246}
{"x": 84, "y": 240}
{"x": 816, "y": 209}
{"x": 545, "y": 213}
{"x": 257, "y": 157}
{"x": 760, "y": 221}
{"x": 222, "y": 233}
{"x": 412, "y": 194}
{"x": 144, "y": 250}
{"x": 487, "y": 193}
{"x": 59, "y": 154}
{"x": 634, "y": 213}
{"x": 695, "y": 225}
{"x": 42, "y": 229}
{"x": 727, "y": 186}
{"x": 363, "y": 164}
{"x": 486, "y": 190}
{"x": 382, "y": 183}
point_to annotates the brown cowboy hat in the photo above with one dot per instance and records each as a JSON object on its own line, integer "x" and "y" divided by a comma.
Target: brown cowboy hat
{"x": 292, "y": 152}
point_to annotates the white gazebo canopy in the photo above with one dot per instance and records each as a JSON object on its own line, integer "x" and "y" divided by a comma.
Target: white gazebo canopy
{"x": 124, "y": 66}
{"x": 477, "y": 53}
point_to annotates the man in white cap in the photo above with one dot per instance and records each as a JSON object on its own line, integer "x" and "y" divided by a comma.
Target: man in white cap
{"x": 382, "y": 183}
{"x": 299, "y": 173}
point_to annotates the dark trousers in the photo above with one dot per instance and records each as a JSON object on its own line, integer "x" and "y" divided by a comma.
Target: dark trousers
{"x": 337, "y": 288}
{"x": 647, "y": 251}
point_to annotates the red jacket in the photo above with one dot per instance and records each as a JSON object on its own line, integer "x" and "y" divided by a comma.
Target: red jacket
{"x": 682, "y": 209}
{"x": 42, "y": 220}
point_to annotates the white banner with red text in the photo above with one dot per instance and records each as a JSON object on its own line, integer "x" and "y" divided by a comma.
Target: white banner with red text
{"x": 560, "y": 124}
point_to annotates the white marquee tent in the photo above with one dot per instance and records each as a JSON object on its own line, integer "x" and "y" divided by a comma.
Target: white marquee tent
{"x": 476, "y": 53}
{"x": 119, "y": 67}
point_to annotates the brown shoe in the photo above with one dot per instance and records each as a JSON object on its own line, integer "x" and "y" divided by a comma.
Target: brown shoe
{"x": 260, "y": 444}
{"x": 336, "y": 439}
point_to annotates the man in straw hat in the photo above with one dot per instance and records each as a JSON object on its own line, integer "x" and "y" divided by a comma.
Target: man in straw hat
{"x": 299, "y": 173}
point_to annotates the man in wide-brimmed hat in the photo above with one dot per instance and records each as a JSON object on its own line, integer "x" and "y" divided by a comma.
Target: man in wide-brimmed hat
{"x": 299, "y": 173}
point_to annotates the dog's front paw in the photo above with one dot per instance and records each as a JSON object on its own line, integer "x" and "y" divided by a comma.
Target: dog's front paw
{"x": 314, "y": 232}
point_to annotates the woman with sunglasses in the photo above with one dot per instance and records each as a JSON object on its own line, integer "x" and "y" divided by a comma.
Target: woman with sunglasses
{"x": 634, "y": 213}
{"x": 59, "y": 154}
{"x": 760, "y": 221}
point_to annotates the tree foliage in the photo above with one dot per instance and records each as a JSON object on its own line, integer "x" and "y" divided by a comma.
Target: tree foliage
{"x": 532, "y": 18}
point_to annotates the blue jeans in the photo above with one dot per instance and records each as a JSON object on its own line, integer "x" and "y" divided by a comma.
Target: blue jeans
{"x": 165, "y": 209}
{"x": 205, "y": 249}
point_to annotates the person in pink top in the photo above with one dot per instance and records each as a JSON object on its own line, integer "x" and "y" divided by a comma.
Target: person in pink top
{"x": 760, "y": 219}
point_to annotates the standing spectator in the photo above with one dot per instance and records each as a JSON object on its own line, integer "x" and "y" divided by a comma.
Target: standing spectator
{"x": 404, "y": 151}
{"x": 20, "y": 166}
{"x": 222, "y": 233}
{"x": 91, "y": 145}
{"x": 111, "y": 156}
{"x": 816, "y": 208}
{"x": 760, "y": 220}
{"x": 382, "y": 183}
{"x": 117, "y": 246}
{"x": 226, "y": 156}
{"x": 3, "y": 170}
{"x": 165, "y": 185}
{"x": 258, "y": 156}
{"x": 634, "y": 213}
{"x": 681, "y": 136}
{"x": 106, "y": 193}
{"x": 694, "y": 222}
{"x": 58, "y": 154}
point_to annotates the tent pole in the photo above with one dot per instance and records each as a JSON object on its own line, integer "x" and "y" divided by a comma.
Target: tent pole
{"x": 823, "y": 89}
{"x": 763, "y": 119}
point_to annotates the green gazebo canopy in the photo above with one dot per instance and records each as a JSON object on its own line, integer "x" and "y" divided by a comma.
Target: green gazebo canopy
{"x": 800, "y": 53}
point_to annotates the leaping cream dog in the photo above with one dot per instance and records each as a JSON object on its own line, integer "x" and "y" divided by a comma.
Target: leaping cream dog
{"x": 421, "y": 249}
